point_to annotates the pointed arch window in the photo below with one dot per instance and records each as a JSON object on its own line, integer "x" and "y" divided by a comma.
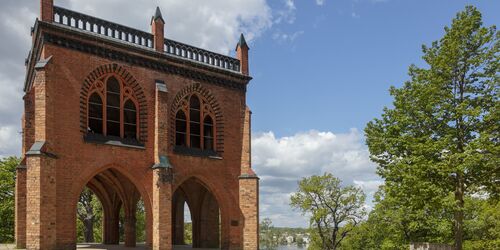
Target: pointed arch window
{"x": 112, "y": 109}
{"x": 113, "y": 97}
{"x": 95, "y": 114}
{"x": 208, "y": 133}
{"x": 130, "y": 120}
{"x": 194, "y": 124}
{"x": 181, "y": 127}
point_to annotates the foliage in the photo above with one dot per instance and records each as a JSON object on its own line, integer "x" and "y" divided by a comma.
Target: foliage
{"x": 268, "y": 236}
{"x": 440, "y": 141}
{"x": 89, "y": 213}
{"x": 482, "y": 224}
{"x": 7, "y": 186}
{"x": 140, "y": 224}
{"x": 388, "y": 228}
{"x": 335, "y": 210}
{"x": 391, "y": 226}
{"x": 90, "y": 209}
{"x": 188, "y": 233}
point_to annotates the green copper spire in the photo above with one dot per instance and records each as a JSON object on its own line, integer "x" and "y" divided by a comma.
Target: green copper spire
{"x": 242, "y": 42}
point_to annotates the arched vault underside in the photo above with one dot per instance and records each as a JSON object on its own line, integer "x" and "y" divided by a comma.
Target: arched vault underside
{"x": 114, "y": 190}
{"x": 205, "y": 214}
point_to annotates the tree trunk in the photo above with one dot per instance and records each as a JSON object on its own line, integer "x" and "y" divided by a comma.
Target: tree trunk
{"x": 459, "y": 211}
{"x": 88, "y": 230}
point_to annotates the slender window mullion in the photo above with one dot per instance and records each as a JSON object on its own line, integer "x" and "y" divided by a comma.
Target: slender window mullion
{"x": 202, "y": 140}
{"x": 188, "y": 127}
{"x": 105, "y": 111}
{"x": 122, "y": 133}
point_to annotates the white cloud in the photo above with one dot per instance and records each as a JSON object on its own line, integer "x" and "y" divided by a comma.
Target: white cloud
{"x": 16, "y": 17}
{"x": 213, "y": 25}
{"x": 281, "y": 37}
{"x": 287, "y": 13}
{"x": 369, "y": 186}
{"x": 10, "y": 141}
{"x": 320, "y": 2}
{"x": 282, "y": 162}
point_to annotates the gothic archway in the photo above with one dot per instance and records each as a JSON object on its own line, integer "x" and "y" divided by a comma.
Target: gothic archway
{"x": 116, "y": 192}
{"x": 205, "y": 215}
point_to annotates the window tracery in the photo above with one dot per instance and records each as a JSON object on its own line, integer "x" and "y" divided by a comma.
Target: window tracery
{"x": 194, "y": 124}
{"x": 112, "y": 108}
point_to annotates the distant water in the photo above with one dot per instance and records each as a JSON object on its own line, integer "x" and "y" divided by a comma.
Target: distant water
{"x": 291, "y": 247}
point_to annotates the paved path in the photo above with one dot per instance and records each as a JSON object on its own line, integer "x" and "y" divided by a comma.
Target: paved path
{"x": 7, "y": 246}
{"x": 96, "y": 246}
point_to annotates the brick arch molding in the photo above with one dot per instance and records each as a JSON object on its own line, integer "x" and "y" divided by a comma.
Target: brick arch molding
{"x": 129, "y": 81}
{"x": 196, "y": 88}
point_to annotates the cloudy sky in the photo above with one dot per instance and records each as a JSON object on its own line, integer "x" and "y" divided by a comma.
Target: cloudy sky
{"x": 321, "y": 71}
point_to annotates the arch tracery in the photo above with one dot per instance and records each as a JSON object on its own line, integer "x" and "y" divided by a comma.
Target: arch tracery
{"x": 197, "y": 120}
{"x": 112, "y": 103}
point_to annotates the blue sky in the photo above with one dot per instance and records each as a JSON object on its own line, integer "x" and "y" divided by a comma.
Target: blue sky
{"x": 321, "y": 69}
{"x": 335, "y": 75}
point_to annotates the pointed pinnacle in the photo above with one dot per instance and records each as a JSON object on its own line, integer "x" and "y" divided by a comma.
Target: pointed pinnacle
{"x": 242, "y": 42}
{"x": 158, "y": 15}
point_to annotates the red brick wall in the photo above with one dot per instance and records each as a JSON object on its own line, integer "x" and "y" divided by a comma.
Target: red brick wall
{"x": 20, "y": 228}
{"x": 77, "y": 161}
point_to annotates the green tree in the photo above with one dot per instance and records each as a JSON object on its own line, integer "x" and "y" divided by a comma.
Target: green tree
{"x": 267, "y": 239}
{"x": 140, "y": 225}
{"x": 89, "y": 214}
{"x": 440, "y": 141}
{"x": 391, "y": 225}
{"x": 188, "y": 233}
{"x": 482, "y": 224}
{"x": 335, "y": 210}
{"x": 7, "y": 186}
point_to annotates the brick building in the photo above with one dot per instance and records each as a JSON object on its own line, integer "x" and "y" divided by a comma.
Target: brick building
{"x": 132, "y": 115}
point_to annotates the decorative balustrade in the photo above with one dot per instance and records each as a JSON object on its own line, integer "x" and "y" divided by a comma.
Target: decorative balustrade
{"x": 200, "y": 55}
{"x": 95, "y": 25}
{"x": 105, "y": 28}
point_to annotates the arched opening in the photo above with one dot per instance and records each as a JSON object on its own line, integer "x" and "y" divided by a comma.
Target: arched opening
{"x": 89, "y": 217}
{"x": 204, "y": 213}
{"x": 188, "y": 225}
{"x": 119, "y": 217}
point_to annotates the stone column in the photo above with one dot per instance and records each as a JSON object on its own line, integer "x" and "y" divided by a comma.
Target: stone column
{"x": 41, "y": 209}
{"x": 209, "y": 222}
{"x": 162, "y": 217}
{"x": 178, "y": 228}
{"x": 41, "y": 203}
{"x": 113, "y": 223}
{"x": 162, "y": 187}
{"x": 20, "y": 213}
{"x": 249, "y": 205}
{"x": 130, "y": 221}
{"x": 249, "y": 190}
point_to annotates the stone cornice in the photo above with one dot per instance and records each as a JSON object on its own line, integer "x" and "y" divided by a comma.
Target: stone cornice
{"x": 128, "y": 53}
